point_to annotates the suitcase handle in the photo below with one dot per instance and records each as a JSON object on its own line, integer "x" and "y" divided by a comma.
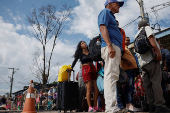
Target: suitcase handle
{"x": 73, "y": 75}
{"x": 61, "y": 95}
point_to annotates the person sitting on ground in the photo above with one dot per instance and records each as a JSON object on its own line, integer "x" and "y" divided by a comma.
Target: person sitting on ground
{"x": 8, "y": 103}
{"x": 88, "y": 72}
{"x": 50, "y": 93}
{"x": 44, "y": 99}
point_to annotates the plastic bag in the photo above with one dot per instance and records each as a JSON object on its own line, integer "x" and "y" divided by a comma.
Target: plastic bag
{"x": 63, "y": 73}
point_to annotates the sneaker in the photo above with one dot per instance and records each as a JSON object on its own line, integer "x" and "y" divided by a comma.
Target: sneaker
{"x": 120, "y": 111}
{"x": 91, "y": 110}
{"x": 95, "y": 109}
{"x": 124, "y": 110}
{"x": 100, "y": 110}
{"x": 133, "y": 109}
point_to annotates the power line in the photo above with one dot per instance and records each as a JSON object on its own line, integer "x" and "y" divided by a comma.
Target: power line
{"x": 164, "y": 4}
{"x": 158, "y": 9}
{"x": 167, "y": 4}
{"x": 124, "y": 27}
{"x": 5, "y": 81}
{"x": 162, "y": 20}
{"x": 23, "y": 79}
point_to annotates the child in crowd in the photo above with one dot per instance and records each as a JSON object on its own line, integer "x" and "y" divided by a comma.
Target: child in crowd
{"x": 100, "y": 85}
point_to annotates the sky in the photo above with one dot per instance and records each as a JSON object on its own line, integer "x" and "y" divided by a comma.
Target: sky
{"x": 18, "y": 45}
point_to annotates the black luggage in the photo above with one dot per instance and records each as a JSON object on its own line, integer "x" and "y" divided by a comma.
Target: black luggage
{"x": 67, "y": 95}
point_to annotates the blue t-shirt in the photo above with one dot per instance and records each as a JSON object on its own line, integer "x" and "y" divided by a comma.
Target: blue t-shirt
{"x": 106, "y": 17}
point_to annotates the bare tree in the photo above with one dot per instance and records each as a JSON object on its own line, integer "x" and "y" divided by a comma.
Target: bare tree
{"x": 36, "y": 68}
{"x": 47, "y": 23}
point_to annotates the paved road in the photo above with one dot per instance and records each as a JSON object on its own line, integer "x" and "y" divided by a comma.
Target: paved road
{"x": 19, "y": 111}
{"x": 6, "y": 111}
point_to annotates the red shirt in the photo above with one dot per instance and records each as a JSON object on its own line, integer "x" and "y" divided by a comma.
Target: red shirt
{"x": 124, "y": 36}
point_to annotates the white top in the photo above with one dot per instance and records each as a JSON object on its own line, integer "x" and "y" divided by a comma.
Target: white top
{"x": 144, "y": 59}
{"x": 49, "y": 93}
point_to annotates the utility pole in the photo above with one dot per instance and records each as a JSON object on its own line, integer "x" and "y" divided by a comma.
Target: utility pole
{"x": 142, "y": 13}
{"x": 11, "y": 80}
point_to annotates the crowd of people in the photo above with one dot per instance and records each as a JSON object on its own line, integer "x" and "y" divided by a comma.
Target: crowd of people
{"x": 43, "y": 101}
{"x": 145, "y": 86}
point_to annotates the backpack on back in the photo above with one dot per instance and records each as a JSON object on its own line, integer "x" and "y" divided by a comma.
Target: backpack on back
{"x": 141, "y": 43}
{"x": 95, "y": 48}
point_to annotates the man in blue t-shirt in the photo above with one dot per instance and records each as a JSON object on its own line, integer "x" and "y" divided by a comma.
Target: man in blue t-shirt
{"x": 110, "y": 51}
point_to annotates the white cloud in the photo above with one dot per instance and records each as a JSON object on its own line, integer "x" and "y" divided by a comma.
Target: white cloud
{"x": 8, "y": 26}
{"x": 15, "y": 18}
{"x": 17, "y": 52}
{"x": 18, "y": 27}
{"x": 85, "y": 16}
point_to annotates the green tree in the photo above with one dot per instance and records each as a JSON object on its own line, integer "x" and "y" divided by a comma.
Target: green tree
{"x": 7, "y": 95}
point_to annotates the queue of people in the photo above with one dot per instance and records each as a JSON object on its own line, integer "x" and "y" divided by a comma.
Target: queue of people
{"x": 115, "y": 53}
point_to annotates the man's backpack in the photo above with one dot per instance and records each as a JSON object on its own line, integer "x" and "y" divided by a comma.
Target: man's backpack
{"x": 95, "y": 48}
{"x": 141, "y": 43}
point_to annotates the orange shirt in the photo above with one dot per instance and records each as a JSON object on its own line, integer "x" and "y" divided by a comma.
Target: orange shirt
{"x": 124, "y": 36}
{"x": 129, "y": 56}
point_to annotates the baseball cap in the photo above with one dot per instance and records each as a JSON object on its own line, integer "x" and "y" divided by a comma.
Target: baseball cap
{"x": 110, "y": 1}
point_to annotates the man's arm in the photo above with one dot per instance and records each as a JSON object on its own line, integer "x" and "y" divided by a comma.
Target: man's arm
{"x": 153, "y": 43}
{"x": 105, "y": 35}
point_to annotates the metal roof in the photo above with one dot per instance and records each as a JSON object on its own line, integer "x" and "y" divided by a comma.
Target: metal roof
{"x": 162, "y": 33}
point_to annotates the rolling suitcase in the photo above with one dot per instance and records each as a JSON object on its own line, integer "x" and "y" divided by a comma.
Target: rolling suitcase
{"x": 67, "y": 95}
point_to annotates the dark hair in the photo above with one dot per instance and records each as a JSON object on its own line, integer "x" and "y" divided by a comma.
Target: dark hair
{"x": 157, "y": 39}
{"x": 99, "y": 66}
{"x": 3, "y": 100}
{"x": 78, "y": 50}
{"x": 161, "y": 45}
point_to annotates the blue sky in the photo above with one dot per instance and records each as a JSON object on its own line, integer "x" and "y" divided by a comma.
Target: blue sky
{"x": 18, "y": 44}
